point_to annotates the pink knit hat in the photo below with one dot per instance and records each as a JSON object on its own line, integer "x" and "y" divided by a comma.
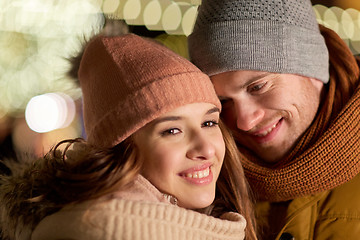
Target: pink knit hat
{"x": 128, "y": 81}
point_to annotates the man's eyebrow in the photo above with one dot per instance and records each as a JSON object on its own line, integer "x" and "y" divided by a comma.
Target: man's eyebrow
{"x": 247, "y": 83}
{"x": 255, "y": 78}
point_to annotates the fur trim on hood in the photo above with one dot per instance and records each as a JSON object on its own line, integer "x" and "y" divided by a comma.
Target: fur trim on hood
{"x": 21, "y": 207}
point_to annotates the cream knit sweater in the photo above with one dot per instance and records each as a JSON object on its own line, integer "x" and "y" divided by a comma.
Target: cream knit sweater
{"x": 140, "y": 213}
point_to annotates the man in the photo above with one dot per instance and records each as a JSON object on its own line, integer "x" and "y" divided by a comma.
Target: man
{"x": 289, "y": 89}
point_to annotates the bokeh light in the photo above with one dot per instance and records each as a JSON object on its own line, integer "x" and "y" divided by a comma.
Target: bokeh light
{"x": 47, "y": 112}
{"x": 132, "y": 9}
{"x": 171, "y": 17}
{"x": 188, "y": 20}
{"x": 345, "y": 22}
{"x": 37, "y": 37}
{"x": 152, "y": 15}
{"x": 110, "y": 6}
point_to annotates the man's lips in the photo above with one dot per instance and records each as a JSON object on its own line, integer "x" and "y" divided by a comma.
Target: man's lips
{"x": 267, "y": 133}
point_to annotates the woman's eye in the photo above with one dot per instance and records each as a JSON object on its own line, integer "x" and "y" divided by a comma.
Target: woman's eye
{"x": 210, "y": 124}
{"x": 171, "y": 131}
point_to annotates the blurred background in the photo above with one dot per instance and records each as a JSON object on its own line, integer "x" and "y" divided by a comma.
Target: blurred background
{"x": 40, "y": 105}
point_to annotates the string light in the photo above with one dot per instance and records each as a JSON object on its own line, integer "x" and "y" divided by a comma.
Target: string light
{"x": 132, "y": 10}
{"x": 346, "y": 23}
{"x": 110, "y": 6}
{"x": 171, "y": 18}
{"x": 153, "y": 14}
{"x": 192, "y": 2}
{"x": 188, "y": 20}
{"x": 37, "y": 35}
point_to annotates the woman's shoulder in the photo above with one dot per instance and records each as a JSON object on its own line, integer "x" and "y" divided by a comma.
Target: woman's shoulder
{"x": 128, "y": 219}
{"x": 140, "y": 190}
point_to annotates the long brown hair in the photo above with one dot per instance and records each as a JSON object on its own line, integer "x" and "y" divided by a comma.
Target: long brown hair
{"x": 85, "y": 172}
{"x": 233, "y": 192}
{"x": 82, "y": 172}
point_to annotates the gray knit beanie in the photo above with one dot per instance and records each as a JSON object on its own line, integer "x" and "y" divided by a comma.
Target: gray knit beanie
{"x": 279, "y": 36}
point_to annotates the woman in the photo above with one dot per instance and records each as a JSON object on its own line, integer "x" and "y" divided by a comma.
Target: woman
{"x": 154, "y": 153}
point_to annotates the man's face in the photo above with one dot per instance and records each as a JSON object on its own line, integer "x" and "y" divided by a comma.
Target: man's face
{"x": 267, "y": 112}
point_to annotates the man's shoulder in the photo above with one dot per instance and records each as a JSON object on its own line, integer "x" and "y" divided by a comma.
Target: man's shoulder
{"x": 344, "y": 198}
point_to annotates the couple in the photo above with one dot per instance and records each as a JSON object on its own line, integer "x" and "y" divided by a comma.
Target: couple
{"x": 288, "y": 91}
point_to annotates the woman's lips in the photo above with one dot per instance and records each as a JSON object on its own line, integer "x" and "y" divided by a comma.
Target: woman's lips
{"x": 200, "y": 175}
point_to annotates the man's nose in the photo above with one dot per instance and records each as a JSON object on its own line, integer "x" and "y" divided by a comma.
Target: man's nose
{"x": 248, "y": 114}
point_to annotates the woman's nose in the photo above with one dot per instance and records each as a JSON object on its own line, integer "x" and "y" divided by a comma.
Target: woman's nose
{"x": 201, "y": 147}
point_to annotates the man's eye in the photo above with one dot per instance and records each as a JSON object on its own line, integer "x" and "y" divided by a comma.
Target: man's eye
{"x": 171, "y": 131}
{"x": 257, "y": 87}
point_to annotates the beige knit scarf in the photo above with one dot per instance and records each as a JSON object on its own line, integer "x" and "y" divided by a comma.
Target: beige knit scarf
{"x": 328, "y": 154}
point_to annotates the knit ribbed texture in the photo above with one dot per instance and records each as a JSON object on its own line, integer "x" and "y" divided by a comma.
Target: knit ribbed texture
{"x": 145, "y": 214}
{"x": 332, "y": 161}
{"x": 327, "y": 155}
{"x": 127, "y": 81}
{"x": 135, "y": 220}
{"x": 274, "y": 36}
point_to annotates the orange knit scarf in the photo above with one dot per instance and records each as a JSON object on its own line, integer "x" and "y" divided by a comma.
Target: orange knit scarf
{"x": 328, "y": 154}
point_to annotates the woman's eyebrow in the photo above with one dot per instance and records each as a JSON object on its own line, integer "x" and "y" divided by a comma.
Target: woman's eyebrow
{"x": 167, "y": 118}
{"x": 176, "y": 118}
{"x": 213, "y": 110}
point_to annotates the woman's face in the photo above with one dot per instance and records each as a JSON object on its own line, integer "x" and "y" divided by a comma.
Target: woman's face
{"x": 182, "y": 153}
